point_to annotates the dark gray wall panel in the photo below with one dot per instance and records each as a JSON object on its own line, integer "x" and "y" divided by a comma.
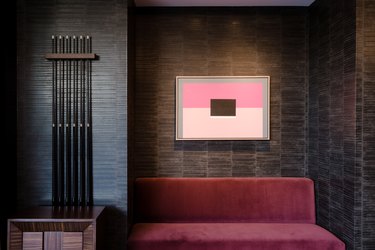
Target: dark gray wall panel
{"x": 220, "y": 41}
{"x": 366, "y": 129}
{"x": 332, "y": 115}
{"x": 106, "y": 22}
{"x": 8, "y": 173}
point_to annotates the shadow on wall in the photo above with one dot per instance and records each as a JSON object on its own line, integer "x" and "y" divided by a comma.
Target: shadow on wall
{"x": 115, "y": 231}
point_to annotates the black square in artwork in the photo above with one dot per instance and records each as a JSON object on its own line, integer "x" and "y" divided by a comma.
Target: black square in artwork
{"x": 223, "y": 107}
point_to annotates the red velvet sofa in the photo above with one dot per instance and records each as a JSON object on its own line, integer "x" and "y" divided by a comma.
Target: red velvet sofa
{"x": 227, "y": 213}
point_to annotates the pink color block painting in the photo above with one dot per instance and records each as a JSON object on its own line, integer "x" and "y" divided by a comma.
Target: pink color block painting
{"x": 222, "y": 108}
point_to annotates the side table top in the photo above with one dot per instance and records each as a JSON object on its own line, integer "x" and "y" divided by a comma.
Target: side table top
{"x": 47, "y": 213}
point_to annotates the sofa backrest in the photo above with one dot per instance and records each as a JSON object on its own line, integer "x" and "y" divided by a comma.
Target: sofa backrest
{"x": 278, "y": 199}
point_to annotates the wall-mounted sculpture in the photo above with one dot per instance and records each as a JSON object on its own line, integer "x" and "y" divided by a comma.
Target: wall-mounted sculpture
{"x": 72, "y": 167}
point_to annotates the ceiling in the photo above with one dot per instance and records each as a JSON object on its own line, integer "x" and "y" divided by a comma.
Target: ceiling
{"x": 218, "y": 3}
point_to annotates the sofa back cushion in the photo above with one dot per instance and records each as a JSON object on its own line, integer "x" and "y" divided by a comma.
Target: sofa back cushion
{"x": 278, "y": 199}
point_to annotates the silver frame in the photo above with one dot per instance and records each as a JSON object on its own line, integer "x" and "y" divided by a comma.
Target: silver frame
{"x": 179, "y": 80}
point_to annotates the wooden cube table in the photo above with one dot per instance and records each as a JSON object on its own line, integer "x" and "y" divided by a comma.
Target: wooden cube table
{"x": 48, "y": 227}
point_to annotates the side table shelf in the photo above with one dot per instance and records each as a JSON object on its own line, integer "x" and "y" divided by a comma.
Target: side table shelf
{"x": 53, "y": 228}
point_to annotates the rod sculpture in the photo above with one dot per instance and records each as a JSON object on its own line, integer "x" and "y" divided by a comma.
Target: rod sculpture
{"x": 72, "y": 167}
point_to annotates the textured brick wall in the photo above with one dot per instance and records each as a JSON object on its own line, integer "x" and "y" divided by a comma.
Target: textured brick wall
{"x": 366, "y": 117}
{"x": 213, "y": 42}
{"x": 106, "y": 22}
{"x": 332, "y": 116}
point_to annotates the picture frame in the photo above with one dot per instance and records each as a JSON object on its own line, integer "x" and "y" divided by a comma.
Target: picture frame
{"x": 222, "y": 108}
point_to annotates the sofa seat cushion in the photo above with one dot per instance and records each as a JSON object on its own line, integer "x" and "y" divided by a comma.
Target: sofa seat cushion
{"x": 220, "y": 236}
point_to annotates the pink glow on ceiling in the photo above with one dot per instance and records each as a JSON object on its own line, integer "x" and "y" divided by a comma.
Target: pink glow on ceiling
{"x": 234, "y": 3}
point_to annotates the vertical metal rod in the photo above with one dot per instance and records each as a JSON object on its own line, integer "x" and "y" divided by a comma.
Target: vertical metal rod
{"x": 82, "y": 127}
{"x": 54, "y": 125}
{"x": 75, "y": 124}
{"x": 90, "y": 198}
{"x": 59, "y": 63}
{"x": 61, "y": 126}
{"x": 68, "y": 125}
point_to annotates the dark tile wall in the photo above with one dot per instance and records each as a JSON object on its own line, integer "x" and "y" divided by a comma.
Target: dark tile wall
{"x": 359, "y": 126}
{"x": 174, "y": 42}
{"x": 131, "y": 111}
{"x": 332, "y": 117}
{"x": 366, "y": 126}
{"x": 106, "y": 22}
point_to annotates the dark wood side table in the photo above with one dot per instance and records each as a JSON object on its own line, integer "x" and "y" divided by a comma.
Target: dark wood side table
{"x": 52, "y": 228}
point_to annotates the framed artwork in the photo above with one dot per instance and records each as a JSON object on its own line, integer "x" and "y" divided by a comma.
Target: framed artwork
{"x": 222, "y": 108}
